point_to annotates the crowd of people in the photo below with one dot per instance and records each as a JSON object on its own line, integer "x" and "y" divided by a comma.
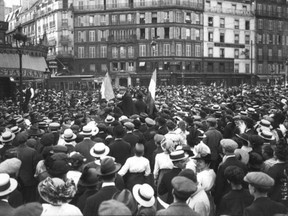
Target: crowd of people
{"x": 200, "y": 150}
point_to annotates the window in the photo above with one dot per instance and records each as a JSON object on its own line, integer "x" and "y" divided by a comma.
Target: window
{"x": 80, "y": 52}
{"x": 197, "y": 50}
{"x": 222, "y": 37}
{"x": 91, "y": 52}
{"x": 280, "y": 25}
{"x": 166, "y": 16}
{"x": 221, "y": 67}
{"x": 270, "y": 25}
{"x": 219, "y": 4}
{"x": 210, "y": 36}
{"x": 247, "y": 39}
{"x": 247, "y": 53}
{"x": 270, "y": 53}
{"x": 102, "y": 34}
{"x": 114, "y": 3}
{"x": 247, "y": 24}
{"x": 142, "y": 33}
{"x": 236, "y": 68}
{"x": 222, "y": 22}
{"x": 154, "y": 50}
{"x": 79, "y": 36}
{"x": 91, "y": 36}
{"x": 114, "y": 52}
{"x": 177, "y": 33}
{"x": 142, "y": 18}
{"x": 222, "y": 53}
{"x": 188, "y": 33}
{"x": 178, "y": 49}
{"x": 166, "y": 65}
{"x": 122, "y": 18}
{"x": 166, "y": 50}
{"x": 197, "y": 34}
{"x": 236, "y": 38}
{"x": 166, "y": 33}
{"x": 210, "y": 67}
{"x": 188, "y": 17}
{"x": 279, "y": 53}
{"x": 103, "y": 19}
{"x": 247, "y": 68}
{"x": 91, "y": 20}
{"x": 103, "y": 67}
{"x": 122, "y": 66}
{"x": 114, "y": 66}
{"x": 210, "y": 52}
{"x": 80, "y": 5}
{"x": 210, "y": 21}
{"x": 154, "y": 17}
{"x": 129, "y": 18}
{"x": 114, "y": 19}
{"x": 122, "y": 52}
{"x": 188, "y": 50}
{"x": 234, "y": 7}
{"x": 130, "y": 52}
{"x": 92, "y": 67}
{"x": 260, "y": 24}
{"x": 260, "y": 53}
{"x": 142, "y": 50}
{"x": 244, "y": 7}
{"x": 260, "y": 68}
{"x": 103, "y": 51}
{"x": 197, "y": 18}
{"x": 236, "y": 53}
{"x": 236, "y": 24}
{"x": 179, "y": 17}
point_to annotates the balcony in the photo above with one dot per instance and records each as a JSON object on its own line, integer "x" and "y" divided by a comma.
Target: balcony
{"x": 127, "y": 39}
{"x": 229, "y": 11}
{"x": 141, "y": 4}
{"x": 65, "y": 40}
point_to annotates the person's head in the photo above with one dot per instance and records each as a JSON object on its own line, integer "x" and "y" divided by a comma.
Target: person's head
{"x": 167, "y": 145}
{"x": 182, "y": 125}
{"x": 259, "y": 183}
{"x": 113, "y": 207}
{"x": 281, "y": 152}
{"x": 234, "y": 175}
{"x": 228, "y": 146}
{"x": 118, "y": 131}
{"x": 212, "y": 122}
{"x": 203, "y": 162}
{"x": 139, "y": 149}
{"x": 108, "y": 169}
{"x": 190, "y": 174}
{"x": 267, "y": 151}
{"x": 179, "y": 158}
{"x": 183, "y": 188}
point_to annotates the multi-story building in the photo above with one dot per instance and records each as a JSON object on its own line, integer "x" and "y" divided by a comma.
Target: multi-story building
{"x": 272, "y": 38}
{"x": 132, "y": 38}
{"x": 49, "y": 20}
{"x": 229, "y": 40}
{"x": 2, "y": 10}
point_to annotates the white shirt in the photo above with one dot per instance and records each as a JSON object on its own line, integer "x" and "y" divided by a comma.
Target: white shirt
{"x": 199, "y": 202}
{"x": 176, "y": 138}
{"x": 206, "y": 179}
{"x": 162, "y": 161}
{"x": 63, "y": 210}
{"x": 136, "y": 164}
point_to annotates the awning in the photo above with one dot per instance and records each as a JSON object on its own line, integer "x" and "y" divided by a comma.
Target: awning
{"x": 269, "y": 76}
{"x": 32, "y": 66}
{"x": 142, "y": 64}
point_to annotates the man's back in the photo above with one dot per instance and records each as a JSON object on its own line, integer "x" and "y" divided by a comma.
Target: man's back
{"x": 84, "y": 149}
{"x": 181, "y": 209}
{"x": 120, "y": 150}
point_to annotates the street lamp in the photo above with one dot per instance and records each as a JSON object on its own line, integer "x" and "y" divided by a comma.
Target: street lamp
{"x": 47, "y": 74}
{"x": 20, "y": 37}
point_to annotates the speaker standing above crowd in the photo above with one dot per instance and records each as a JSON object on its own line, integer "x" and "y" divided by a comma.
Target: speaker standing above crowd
{"x": 200, "y": 150}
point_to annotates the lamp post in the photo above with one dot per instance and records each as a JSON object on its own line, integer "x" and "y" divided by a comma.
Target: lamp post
{"x": 20, "y": 37}
{"x": 47, "y": 76}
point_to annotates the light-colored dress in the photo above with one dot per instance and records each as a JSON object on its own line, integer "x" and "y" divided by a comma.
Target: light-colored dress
{"x": 62, "y": 210}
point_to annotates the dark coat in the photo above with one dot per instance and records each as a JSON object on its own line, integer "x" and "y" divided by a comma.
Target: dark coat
{"x": 132, "y": 139}
{"x": 120, "y": 150}
{"x": 229, "y": 130}
{"x": 162, "y": 130}
{"x": 264, "y": 206}
{"x": 140, "y": 135}
{"x": 165, "y": 185}
{"x": 212, "y": 140}
{"x": 6, "y": 209}
{"x": 84, "y": 149}
{"x": 81, "y": 201}
{"x": 140, "y": 106}
{"x": 221, "y": 184}
{"x": 94, "y": 201}
{"x": 177, "y": 209}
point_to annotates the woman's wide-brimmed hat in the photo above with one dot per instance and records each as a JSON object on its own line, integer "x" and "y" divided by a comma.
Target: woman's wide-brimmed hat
{"x": 57, "y": 192}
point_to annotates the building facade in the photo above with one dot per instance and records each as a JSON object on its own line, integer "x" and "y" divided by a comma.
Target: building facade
{"x": 132, "y": 38}
{"x": 272, "y": 39}
{"x": 229, "y": 40}
{"x": 51, "y": 21}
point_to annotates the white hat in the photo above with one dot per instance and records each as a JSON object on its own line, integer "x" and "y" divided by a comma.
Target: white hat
{"x": 69, "y": 135}
{"x": 7, "y": 184}
{"x": 144, "y": 195}
{"x": 87, "y": 131}
{"x": 99, "y": 150}
{"x": 15, "y": 129}
{"x": 109, "y": 119}
{"x": 7, "y": 136}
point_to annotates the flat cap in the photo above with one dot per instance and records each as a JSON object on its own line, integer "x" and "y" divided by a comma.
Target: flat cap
{"x": 129, "y": 125}
{"x": 212, "y": 120}
{"x": 229, "y": 145}
{"x": 150, "y": 121}
{"x": 183, "y": 187}
{"x": 259, "y": 179}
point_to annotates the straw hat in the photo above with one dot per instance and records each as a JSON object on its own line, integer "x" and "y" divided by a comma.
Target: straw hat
{"x": 99, "y": 150}
{"x": 7, "y": 136}
{"x": 7, "y": 184}
{"x": 144, "y": 194}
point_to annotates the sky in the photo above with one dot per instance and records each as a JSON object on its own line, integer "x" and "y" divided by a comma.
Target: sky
{"x": 9, "y": 3}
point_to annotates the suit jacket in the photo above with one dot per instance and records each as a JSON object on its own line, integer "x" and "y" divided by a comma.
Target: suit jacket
{"x": 162, "y": 130}
{"x": 178, "y": 208}
{"x": 132, "y": 139}
{"x": 140, "y": 135}
{"x": 229, "y": 130}
{"x": 165, "y": 185}
{"x": 264, "y": 206}
{"x": 81, "y": 201}
{"x": 84, "y": 149}
{"x": 29, "y": 159}
{"x": 212, "y": 140}
{"x": 140, "y": 106}
{"x": 94, "y": 201}
{"x": 120, "y": 150}
{"x": 6, "y": 209}
{"x": 221, "y": 185}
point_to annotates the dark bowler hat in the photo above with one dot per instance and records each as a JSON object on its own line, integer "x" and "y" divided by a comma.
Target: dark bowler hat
{"x": 108, "y": 167}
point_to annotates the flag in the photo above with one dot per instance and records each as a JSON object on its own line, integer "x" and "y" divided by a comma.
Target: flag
{"x": 106, "y": 88}
{"x": 152, "y": 92}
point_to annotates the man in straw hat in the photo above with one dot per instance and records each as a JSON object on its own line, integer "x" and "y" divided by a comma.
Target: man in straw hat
{"x": 259, "y": 186}
{"x": 107, "y": 171}
{"x": 7, "y": 186}
{"x": 6, "y": 139}
{"x": 179, "y": 159}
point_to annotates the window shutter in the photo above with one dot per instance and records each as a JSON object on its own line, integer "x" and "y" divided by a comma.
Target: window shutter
{"x": 138, "y": 33}
{"x": 147, "y": 33}
{"x": 148, "y": 17}
{"x": 171, "y": 32}
{"x": 183, "y": 33}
